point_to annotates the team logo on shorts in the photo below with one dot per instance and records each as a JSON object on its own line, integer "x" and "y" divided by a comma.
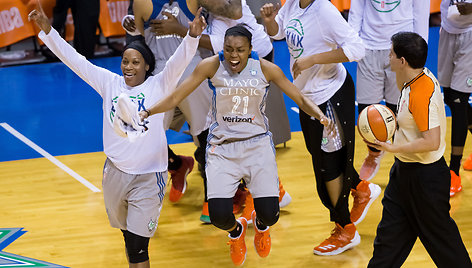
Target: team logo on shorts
{"x": 152, "y": 225}
{"x": 324, "y": 141}
{"x": 469, "y": 81}
{"x": 385, "y": 5}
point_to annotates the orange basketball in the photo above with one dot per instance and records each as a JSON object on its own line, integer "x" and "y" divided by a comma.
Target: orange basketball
{"x": 376, "y": 122}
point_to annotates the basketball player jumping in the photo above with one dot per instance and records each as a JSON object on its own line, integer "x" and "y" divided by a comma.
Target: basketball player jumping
{"x": 240, "y": 144}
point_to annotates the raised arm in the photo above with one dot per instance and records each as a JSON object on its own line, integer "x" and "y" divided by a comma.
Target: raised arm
{"x": 142, "y": 10}
{"x": 205, "y": 69}
{"x": 273, "y": 73}
{"x": 178, "y": 62}
{"x": 93, "y": 75}
{"x": 268, "y": 14}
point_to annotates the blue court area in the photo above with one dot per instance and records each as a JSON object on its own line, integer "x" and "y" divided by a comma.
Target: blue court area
{"x": 55, "y": 109}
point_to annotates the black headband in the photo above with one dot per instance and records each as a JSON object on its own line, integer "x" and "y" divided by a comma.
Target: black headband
{"x": 146, "y": 52}
{"x": 239, "y": 30}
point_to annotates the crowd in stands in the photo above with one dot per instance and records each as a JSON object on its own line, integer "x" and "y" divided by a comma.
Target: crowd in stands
{"x": 15, "y": 27}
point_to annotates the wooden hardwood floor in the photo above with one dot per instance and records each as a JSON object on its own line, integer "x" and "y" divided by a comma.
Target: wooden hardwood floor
{"x": 66, "y": 223}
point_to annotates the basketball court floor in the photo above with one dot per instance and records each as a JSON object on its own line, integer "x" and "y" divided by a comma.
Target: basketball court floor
{"x": 52, "y": 212}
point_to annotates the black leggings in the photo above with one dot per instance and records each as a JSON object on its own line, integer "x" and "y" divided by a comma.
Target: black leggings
{"x": 461, "y": 113}
{"x": 200, "y": 156}
{"x": 221, "y": 211}
{"x": 343, "y": 103}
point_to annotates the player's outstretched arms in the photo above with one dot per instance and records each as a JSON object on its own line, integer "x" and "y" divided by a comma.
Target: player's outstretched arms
{"x": 204, "y": 70}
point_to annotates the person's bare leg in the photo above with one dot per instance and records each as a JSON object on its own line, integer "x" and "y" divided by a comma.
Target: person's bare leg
{"x": 334, "y": 188}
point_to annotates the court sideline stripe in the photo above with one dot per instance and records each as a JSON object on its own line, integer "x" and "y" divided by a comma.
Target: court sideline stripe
{"x": 51, "y": 158}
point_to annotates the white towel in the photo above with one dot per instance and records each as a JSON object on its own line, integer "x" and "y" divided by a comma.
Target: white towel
{"x": 127, "y": 122}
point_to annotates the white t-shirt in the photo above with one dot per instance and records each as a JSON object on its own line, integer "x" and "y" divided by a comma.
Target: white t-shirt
{"x": 148, "y": 153}
{"x": 315, "y": 29}
{"x": 218, "y": 25}
{"x": 377, "y": 21}
{"x": 452, "y": 21}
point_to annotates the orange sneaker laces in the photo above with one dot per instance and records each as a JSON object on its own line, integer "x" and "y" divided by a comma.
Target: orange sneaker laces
{"x": 338, "y": 237}
{"x": 265, "y": 237}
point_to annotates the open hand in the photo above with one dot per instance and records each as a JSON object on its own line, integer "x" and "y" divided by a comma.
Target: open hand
{"x": 198, "y": 24}
{"x": 41, "y": 20}
{"x": 382, "y": 146}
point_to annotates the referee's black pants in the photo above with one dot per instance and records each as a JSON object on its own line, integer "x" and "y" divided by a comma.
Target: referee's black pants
{"x": 416, "y": 204}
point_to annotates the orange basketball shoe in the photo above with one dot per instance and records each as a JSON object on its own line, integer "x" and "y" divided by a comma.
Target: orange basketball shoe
{"x": 284, "y": 197}
{"x": 456, "y": 185}
{"x": 179, "y": 178}
{"x": 205, "y": 217}
{"x": 261, "y": 238}
{"x": 371, "y": 165}
{"x": 248, "y": 208}
{"x": 467, "y": 165}
{"x": 237, "y": 246}
{"x": 364, "y": 195}
{"x": 341, "y": 239}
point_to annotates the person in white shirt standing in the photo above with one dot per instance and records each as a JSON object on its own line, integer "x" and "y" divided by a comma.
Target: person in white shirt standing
{"x": 135, "y": 173}
{"x": 455, "y": 76}
{"x": 319, "y": 39}
{"x": 376, "y": 22}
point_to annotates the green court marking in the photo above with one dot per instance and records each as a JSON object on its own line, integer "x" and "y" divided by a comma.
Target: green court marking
{"x": 8, "y": 236}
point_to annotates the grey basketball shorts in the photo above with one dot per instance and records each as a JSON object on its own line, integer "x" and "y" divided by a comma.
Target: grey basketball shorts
{"x": 375, "y": 79}
{"x": 133, "y": 202}
{"x": 252, "y": 160}
{"x": 455, "y": 61}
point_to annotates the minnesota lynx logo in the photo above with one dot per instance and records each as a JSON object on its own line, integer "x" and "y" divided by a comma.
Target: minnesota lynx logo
{"x": 138, "y": 100}
{"x": 385, "y": 5}
{"x": 294, "y": 36}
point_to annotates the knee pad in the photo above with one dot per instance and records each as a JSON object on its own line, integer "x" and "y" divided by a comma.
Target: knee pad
{"x": 136, "y": 247}
{"x": 451, "y": 97}
{"x": 267, "y": 209}
{"x": 221, "y": 213}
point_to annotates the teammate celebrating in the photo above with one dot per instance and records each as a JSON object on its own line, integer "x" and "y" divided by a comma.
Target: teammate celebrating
{"x": 239, "y": 136}
{"x": 319, "y": 39}
{"x": 134, "y": 175}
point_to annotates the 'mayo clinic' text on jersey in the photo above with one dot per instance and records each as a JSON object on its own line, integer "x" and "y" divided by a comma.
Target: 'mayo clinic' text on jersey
{"x": 238, "y": 103}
